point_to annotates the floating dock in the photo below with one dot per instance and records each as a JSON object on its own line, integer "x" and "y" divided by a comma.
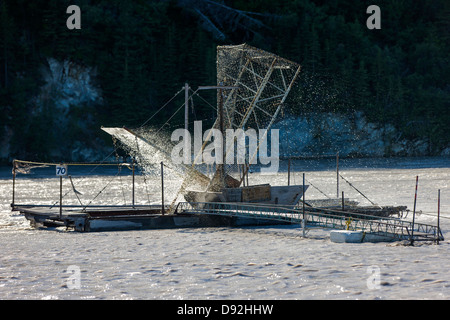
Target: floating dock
{"x": 220, "y": 214}
{"x": 122, "y": 218}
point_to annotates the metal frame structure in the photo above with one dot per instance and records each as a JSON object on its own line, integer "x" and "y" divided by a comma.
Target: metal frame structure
{"x": 389, "y": 228}
{"x": 262, "y": 90}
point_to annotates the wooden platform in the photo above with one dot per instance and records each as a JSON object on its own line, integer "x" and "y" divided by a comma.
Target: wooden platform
{"x": 117, "y": 218}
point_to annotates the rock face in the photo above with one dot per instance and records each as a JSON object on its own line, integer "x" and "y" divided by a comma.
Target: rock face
{"x": 328, "y": 133}
{"x": 67, "y": 83}
{"x": 70, "y": 90}
{"x": 62, "y": 114}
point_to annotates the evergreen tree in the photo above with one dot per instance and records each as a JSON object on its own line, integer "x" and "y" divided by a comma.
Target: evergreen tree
{"x": 363, "y": 97}
{"x": 7, "y": 37}
{"x": 144, "y": 52}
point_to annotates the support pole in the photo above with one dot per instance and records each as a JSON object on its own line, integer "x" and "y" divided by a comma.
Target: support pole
{"x": 289, "y": 172}
{"x": 303, "y": 208}
{"x": 132, "y": 195}
{"x": 14, "y": 184}
{"x": 438, "y": 215}
{"x": 186, "y": 106}
{"x": 162, "y": 187}
{"x": 343, "y": 207}
{"x": 247, "y": 172}
{"x": 414, "y": 212}
{"x": 221, "y": 166}
{"x": 60, "y": 197}
{"x": 337, "y": 175}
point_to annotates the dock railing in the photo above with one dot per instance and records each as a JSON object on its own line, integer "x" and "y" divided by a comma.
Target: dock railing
{"x": 392, "y": 228}
{"x": 67, "y": 185}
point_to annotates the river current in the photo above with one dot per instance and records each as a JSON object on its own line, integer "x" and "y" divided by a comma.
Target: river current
{"x": 273, "y": 262}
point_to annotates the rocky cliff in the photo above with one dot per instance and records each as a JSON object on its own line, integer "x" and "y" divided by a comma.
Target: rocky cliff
{"x": 319, "y": 134}
{"x": 72, "y": 90}
{"x": 60, "y": 123}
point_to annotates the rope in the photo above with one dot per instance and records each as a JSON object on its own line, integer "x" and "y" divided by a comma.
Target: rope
{"x": 357, "y": 190}
{"x": 75, "y": 190}
{"x": 316, "y": 188}
{"x": 54, "y": 204}
{"x": 170, "y": 118}
{"x": 204, "y": 100}
{"x": 69, "y": 163}
{"x": 84, "y": 208}
{"x": 162, "y": 108}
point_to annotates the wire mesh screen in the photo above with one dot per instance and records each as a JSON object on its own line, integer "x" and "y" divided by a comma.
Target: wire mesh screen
{"x": 264, "y": 80}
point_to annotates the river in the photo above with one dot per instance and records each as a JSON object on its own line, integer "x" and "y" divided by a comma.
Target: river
{"x": 273, "y": 262}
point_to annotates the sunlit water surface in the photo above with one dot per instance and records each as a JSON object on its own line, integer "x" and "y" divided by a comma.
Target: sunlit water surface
{"x": 227, "y": 263}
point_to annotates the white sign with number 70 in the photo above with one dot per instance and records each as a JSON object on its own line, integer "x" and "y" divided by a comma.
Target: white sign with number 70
{"x": 61, "y": 170}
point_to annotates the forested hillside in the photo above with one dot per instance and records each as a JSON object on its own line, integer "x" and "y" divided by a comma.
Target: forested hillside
{"x": 144, "y": 51}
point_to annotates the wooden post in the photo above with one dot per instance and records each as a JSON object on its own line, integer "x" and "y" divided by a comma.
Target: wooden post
{"x": 414, "y": 212}
{"x": 438, "y": 215}
{"x": 162, "y": 187}
{"x": 337, "y": 175}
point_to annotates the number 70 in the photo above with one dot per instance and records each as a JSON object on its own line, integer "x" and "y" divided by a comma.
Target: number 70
{"x": 61, "y": 170}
